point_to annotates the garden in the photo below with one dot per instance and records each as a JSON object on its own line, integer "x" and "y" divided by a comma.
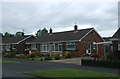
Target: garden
{"x": 36, "y": 56}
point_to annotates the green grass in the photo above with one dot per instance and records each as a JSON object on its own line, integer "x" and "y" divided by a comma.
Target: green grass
{"x": 68, "y": 72}
{"x": 5, "y": 61}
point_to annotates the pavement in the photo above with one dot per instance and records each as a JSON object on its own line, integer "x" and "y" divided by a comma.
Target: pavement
{"x": 17, "y": 70}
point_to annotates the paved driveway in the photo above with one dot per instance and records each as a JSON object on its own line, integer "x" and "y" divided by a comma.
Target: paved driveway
{"x": 17, "y": 70}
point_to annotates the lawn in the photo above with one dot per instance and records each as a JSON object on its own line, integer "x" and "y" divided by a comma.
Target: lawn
{"x": 69, "y": 72}
{"x": 5, "y": 61}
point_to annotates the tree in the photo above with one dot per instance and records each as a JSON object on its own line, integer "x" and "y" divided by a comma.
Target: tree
{"x": 8, "y": 34}
{"x": 44, "y": 30}
{"x": 1, "y": 35}
{"x": 19, "y": 34}
{"x": 40, "y": 32}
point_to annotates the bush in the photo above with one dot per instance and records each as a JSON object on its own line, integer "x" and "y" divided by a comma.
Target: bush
{"x": 101, "y": 63}
{"x": 32, "y": 55}
{"x": 9, "y": 55}
{"x": 67, "y": 54}
{"x": 57, "y": 56}
{"x": 48, "y": 54}
{"x": 48, "y": 58}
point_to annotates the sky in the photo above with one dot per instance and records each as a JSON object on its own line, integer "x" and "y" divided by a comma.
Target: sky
{"x": 60, "y": 16}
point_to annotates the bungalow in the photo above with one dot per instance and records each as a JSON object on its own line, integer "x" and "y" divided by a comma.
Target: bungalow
{"x": 78, "y": 42}
{"x": 16, "y": 43}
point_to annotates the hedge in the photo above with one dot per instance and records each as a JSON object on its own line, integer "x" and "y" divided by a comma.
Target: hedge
{"x": 101, "y": 63}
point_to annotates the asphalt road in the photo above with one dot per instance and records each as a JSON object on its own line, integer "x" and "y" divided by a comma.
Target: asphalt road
{"x": 17, "y": 70}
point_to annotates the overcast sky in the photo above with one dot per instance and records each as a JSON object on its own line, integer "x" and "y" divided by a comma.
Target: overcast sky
{"x": 60, "y": 16}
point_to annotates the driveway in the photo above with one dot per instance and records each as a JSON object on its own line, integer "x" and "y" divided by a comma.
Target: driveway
{"x": 76, "y": 61}
{"x": 17, "y": 70}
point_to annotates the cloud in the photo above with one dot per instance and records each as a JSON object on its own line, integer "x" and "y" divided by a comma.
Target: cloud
{"x": 60, "y": 16}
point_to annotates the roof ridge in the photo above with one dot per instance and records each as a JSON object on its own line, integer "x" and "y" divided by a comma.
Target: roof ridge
{"x": 71, "y": 30}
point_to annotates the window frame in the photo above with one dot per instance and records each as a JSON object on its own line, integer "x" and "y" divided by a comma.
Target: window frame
{"x": 58, "y": 46}
{"x": 46, "y": 45}
{"x": 94, "y": 45}
{"x": 35, "y": 48}
{"x": 7, "y": 47}
{"x": 118, "y": 44}
{"x": 70, "y": 43}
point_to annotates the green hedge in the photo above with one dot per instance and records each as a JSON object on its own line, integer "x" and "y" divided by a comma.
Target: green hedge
{"x": 101, "y": 63}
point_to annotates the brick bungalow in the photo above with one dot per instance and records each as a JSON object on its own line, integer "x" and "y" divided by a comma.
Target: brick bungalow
{"x": 16, "y": 43}
{"x": 78, "y": 42}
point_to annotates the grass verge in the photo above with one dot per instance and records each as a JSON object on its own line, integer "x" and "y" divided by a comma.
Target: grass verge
{"x": 69, "y": 72}
{"x": 15, "y": 62}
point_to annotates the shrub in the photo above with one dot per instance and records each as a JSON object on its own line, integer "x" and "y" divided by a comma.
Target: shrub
{"x": 9, "y": 55}
{"x": 32, "y": 55}
{"x": 57, "y": 56}
{"x": 67, "y": 54}
{"x": 47, "y": 58}
{"x": 48, "y": 54}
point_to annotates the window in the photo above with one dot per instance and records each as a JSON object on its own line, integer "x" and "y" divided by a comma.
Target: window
{"x": 57, "y": 47}
{"x": 119, "y": 45}
{"x": 34, "y": 46}
{"x": 7, "y": 48}
{"x": 70, "y": 45}
{"x": 28, "y": 46}
{"x": 45, "y": 47}
{"x": 94, "y": 45}
{"x": 13, "y": 46}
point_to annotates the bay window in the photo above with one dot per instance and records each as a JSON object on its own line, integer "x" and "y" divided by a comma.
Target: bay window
{"x": 70, "y": 45}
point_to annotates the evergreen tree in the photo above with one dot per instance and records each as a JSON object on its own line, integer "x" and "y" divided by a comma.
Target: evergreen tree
{"x": 44, "y": 30}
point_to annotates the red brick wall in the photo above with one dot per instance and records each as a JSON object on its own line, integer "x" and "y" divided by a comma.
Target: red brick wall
{"x": 93, "y": 37}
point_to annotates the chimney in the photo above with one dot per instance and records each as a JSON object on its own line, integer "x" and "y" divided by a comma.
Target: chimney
{"x": 75, "y": 27}
{"x": 50, "y": 30}
{"x": 22, "y": 34}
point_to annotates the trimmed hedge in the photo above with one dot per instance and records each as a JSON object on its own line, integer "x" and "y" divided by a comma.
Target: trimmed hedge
{"x": 101, "y": 63}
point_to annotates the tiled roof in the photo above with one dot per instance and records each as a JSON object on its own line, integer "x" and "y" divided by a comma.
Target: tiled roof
{"x": 63, "y": 36}
{"x": 14, "y": 39}
{"x": 117, "y": 34}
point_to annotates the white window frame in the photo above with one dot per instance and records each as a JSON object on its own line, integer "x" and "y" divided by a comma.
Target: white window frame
{"x": 34, "y": 46}
{"x": 53, "y": 46}
{"x": 46, "y": 45}
{"x": 7, "y": 47}
{"x": 13, "y": 46}
{"x": 94, "y": 45}
{"x": 70, "y": 43}
{"x": 119, "y": 45}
